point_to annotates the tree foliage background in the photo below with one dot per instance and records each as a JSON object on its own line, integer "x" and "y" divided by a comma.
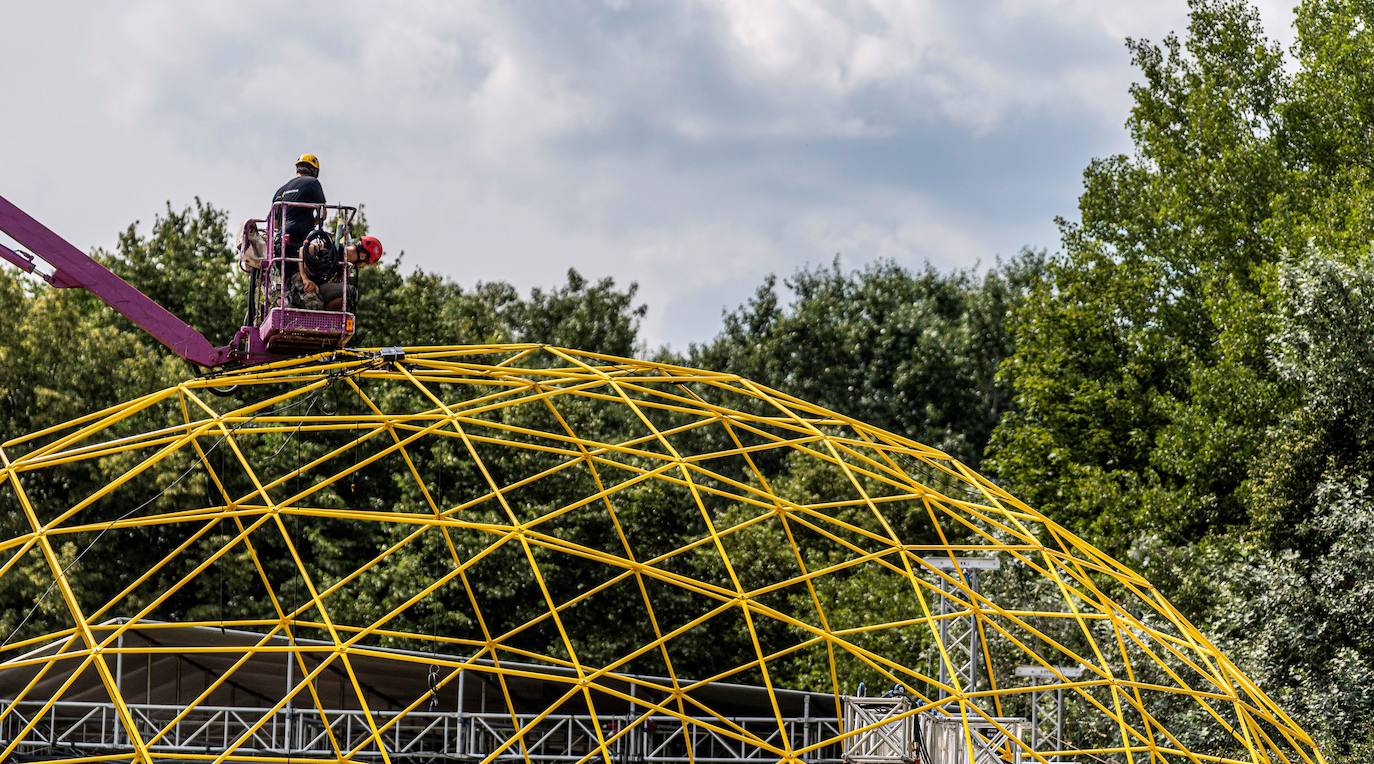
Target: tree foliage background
{"x": 1188, "y": 382}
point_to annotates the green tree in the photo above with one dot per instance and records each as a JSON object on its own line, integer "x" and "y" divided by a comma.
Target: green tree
{"x": 186, "y": 264}
{"x": 1192, "y": 378}
{"x": 1296, "y": 608}
{"x": 1141, "y": 365}
{"x": 915, "y": 352}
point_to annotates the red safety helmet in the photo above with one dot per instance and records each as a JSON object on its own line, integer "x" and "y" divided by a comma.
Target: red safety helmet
{"x": 371, "y": 247}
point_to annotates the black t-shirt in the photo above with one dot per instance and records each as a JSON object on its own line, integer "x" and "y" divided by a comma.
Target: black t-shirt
{"x": 299, "y": 220}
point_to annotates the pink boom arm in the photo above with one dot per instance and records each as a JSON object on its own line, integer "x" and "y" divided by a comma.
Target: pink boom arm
{"x": 73, "y": 268}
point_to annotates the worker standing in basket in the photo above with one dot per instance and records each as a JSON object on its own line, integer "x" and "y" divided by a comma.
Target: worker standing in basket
{"x": 305, "y": 188}
{"x": 294, "y": 229}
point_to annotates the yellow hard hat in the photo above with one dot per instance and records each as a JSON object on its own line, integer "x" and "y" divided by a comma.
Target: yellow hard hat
{"x": 309, "y": 159}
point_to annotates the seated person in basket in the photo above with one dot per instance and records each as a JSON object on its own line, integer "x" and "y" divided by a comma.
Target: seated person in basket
{"x": 319, "y": 285}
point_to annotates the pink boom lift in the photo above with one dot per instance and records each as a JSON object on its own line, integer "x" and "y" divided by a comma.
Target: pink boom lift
{"x": 272, "y": 330}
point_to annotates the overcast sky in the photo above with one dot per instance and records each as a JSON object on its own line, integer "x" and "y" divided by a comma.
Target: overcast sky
{"x": 692, "y": 147}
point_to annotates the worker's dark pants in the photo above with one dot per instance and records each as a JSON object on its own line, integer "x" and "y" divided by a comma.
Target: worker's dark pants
{"x": 334, "y": 291}
{"x": 320, "y": 299}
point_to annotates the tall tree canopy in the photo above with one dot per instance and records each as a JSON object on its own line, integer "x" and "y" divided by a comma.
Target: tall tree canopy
{"x": 915, "y": 352}
{"x": 1141, "y": 369}
{"x": 1190, "y": 378}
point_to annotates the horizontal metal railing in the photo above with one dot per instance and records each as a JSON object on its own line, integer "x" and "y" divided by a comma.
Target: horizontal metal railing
{"x": 76, "y": 727}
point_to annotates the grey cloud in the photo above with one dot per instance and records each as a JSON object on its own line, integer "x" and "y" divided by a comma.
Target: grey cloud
{"x": 690, "y": 146}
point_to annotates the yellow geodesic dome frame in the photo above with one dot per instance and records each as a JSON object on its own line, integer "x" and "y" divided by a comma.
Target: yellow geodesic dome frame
{"x": 648, "y": 546}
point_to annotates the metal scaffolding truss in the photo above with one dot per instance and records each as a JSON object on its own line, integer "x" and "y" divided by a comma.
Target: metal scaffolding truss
{"x": 528, "y": 552}
{"x": 961, "y": 636}
{"x": 888, "y": 735}
{"x": 947, "y": 740}
{"x": 1047, "y": 706}
{"x": 77, "y": 730}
